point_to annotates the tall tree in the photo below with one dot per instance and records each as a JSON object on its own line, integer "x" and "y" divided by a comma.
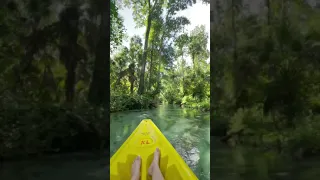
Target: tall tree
{"x": 143, "y": 11}
{"x": 98, "y": 93}
{"x": 198, "y": 44}
{"x": 69, "y": 20}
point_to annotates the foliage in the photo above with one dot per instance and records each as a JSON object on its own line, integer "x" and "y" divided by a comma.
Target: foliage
{"x": 117, "y": 28}
{"x": 124, "y": 102}
{"x": 52, "y": 65}
{"x": 158, "y": 71}
{"x": 265, "y": 78}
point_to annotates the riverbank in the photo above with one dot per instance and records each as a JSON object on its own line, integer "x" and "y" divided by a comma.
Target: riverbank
{"x": 34, "y": 129}
{"x": 123, "y": 102}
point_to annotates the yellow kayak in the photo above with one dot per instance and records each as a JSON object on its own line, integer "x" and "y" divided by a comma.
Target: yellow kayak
{"x": 143, "y": 141}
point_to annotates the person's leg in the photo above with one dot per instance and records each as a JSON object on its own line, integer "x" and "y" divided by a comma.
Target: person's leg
{"x": 135, "y": 169}
{"x": 154, "y": 169}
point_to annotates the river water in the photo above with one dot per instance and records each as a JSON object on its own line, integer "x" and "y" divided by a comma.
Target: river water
{"x": 187, "y": 130}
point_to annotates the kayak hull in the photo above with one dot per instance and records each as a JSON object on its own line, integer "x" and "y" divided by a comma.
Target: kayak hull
{"x": 143, "y": 141}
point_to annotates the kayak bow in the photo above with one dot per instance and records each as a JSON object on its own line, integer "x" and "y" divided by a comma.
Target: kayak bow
{"x": 143, "y": 141}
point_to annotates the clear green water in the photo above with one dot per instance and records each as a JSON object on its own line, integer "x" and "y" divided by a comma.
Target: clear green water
{"x": 187, "y": 130}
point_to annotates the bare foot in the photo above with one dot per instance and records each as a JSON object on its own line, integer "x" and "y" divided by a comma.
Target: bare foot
{"x": 135, "y": 169}
{"x": 155, "y": 162}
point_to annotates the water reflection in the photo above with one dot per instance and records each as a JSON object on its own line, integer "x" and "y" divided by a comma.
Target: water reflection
{"x": 187, "y": 130}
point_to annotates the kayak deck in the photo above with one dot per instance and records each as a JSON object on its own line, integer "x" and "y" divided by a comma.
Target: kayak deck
{"x": 143, "y": 141}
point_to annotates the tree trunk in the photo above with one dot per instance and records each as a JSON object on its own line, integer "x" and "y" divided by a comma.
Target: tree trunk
{"x": 69, "y": 51}
{"x": 234, "y": 33}
{"x": 71, "y": 78}
{"x": 99, "y": 88}
{"x": 194, "y": 63}
{"x": 217, "y": 11}
{"x": 278, "y": 130}
{"x": 182, "y": 72}
{"x": 132, "y": 77}
{"x": 67, "y": 55}
{"x": 150, "y": 70}
{"x": 131, "y": 87}
{"x": 144, "y": 57}
{"x": 283, "y": 24}
{"x": 268, "y": 13}
{"x": 235, "y": 55}
{"x": 269, "y": 40}
{"x": 158, "y": 78}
